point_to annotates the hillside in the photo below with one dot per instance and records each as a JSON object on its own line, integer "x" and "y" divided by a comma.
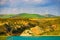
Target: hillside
{"x": 26, "y": 15}
{"x": 28, "y": 27}
{"x": 49, "y": 15}
{"x": 6, "y": 15}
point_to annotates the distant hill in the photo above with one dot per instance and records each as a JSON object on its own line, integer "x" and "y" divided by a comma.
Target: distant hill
{"x": 26, "y": 15}
{"x": 6, "y": 15}
{"x": 49, "y": 15}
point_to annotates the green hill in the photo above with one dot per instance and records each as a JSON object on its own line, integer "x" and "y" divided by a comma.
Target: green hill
{"x": 6, "y": 15}
{"x": 26, "y": 15}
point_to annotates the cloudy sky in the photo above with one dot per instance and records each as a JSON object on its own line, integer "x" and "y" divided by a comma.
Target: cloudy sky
{"x": 30, "y": 6}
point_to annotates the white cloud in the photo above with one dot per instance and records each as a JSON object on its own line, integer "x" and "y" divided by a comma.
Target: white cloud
{"x": 26, "y": 7}
{"x": 38, "y": 0}
{"x": 26, "y": 0}
{"x": 16, "y": 3}
{"x": 2, "y": 2}
{"x": 33, "y": 1}
{"x": 9, "y": 11}
{"x": 40, "y": 10}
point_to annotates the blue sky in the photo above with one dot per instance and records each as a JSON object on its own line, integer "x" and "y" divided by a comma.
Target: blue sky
{"x": 30, "y": 6}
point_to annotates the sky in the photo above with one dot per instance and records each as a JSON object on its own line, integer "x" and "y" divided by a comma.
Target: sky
{"x": 30, "y": 6}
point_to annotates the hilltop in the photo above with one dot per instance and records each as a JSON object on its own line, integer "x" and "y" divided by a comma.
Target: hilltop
{"x": 27, "y": 15}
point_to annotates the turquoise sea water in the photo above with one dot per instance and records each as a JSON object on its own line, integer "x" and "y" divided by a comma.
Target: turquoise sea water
{"x": 33, "y": 38}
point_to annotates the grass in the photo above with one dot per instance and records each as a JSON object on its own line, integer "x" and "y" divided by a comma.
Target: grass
{"x": 25, "y": 15}
{"x": 40, "y": 23}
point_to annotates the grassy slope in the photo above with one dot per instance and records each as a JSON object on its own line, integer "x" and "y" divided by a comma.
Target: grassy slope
{"x": 6, "y": 16}
{"x": 25, "y": 15}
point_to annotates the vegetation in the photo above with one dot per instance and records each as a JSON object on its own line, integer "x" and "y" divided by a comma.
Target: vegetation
{"x": 29, "y": 26}
{"x": 6, "y": 15}
{"x": 26, "y": 15}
